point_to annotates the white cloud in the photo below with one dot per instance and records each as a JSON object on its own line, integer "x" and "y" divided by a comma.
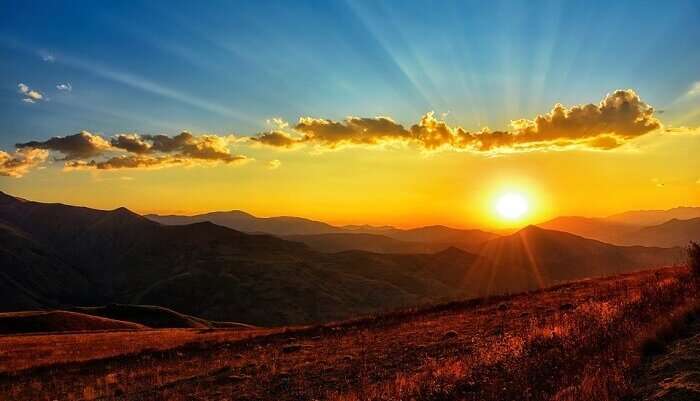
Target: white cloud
{"x": 30, "y": 95}
{"x": 65, "y": 87}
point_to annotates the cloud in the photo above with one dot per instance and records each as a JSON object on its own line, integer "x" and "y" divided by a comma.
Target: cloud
{"x": 66, "y": 87}
{"x": 20, "y": 162}
{"x": 352, "y": 131}
{"x": 694, "y": 89}
{"x": 131, "y": 143}
{"x": 276, "y": 139}
{"x": 90, "y": 151}
{"x": 46, "y": 56}
{"x": 77, "y": 146}
{"x": 184, "y": 145}
{"x": 127, "y": 161}
{"x": 620, "y": 117}
{"x": 273, "y": 164}
{"x": 30, "y": 96}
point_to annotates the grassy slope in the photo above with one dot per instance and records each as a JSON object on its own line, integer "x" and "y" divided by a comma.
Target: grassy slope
{"x": 56, "y": 321}
{"x": 574, "y": 339}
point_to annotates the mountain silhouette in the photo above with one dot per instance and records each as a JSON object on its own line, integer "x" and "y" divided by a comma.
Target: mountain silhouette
{"x": 58, "y": 256}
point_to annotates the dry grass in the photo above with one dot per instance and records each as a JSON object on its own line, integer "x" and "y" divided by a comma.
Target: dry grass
{"x": 579, "y": 341}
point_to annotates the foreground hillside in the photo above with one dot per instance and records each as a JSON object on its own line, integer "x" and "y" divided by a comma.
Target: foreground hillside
{"x": 58, "y": 256}
{"x": 580, "y": 341}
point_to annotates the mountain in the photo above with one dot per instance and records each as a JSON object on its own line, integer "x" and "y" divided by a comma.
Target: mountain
{"x": 595, "y": 228}
{"x": 338, "y": 242}
{"x": 654, "y": 217}
{"x": 674, "y": 232}
{"x": 242, "y": 221}
{"x": 57, "y": 256}
{"x": 535, "y": 258}
{"x": 320, "y": 238}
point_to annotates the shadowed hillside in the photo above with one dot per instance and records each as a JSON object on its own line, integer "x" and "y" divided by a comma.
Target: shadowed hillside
{"x": 339, "y": 242}
{"x": 59, "y": 321}
{"x": 536, "y": 258}
{"x": 58, "y": 256}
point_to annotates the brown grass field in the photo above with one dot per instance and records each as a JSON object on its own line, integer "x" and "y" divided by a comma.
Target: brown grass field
{"x": 578, "y": 341}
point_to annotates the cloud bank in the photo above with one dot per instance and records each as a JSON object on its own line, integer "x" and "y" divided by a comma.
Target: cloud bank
{"x": 85, "y": 150}
{"x": 618, "y": 118}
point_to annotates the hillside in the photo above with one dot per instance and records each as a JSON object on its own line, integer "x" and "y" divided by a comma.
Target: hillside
{"x": 155, "y": 317}
{"x": 200, "y": 269}
{"x": 339, "y": 242}
{"x": 590, "y": 333}
{"x": 536, "y": 258}
{"x": 59, "y": 321}
{"x": 60, "y": 256}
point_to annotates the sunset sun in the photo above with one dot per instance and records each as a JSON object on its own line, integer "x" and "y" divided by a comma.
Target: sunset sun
{"x": 511, "y": 206}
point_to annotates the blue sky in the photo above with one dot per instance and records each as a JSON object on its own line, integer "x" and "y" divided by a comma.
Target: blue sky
{"x": 229, "y": 66}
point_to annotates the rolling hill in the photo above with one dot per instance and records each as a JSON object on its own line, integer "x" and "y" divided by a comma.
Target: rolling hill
{"x": 90, "y": 257}
{"x": 59, "y": 256}
{"x": 59, "y": 321}
{"x": 339, "y": 242}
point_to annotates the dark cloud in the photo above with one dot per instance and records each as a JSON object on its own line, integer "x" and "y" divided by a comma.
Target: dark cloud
{"x": 77, "y": 146}
{"x": 85, "y": 150}
{"x": 276, "y": 139}
{"x": 353, "y": 131}
{"x": 128, "y": 161}
{"x": 184, "y": 145}
{"x": 131, "y": 143}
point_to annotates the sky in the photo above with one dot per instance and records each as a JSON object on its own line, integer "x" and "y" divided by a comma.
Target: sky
{"x": 392, "y": 112}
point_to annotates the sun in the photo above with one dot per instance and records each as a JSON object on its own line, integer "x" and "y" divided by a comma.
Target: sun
{"x": 511, "y": 206}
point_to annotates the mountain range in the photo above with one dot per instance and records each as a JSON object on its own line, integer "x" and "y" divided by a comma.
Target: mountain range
{"x": 60, "y": 256}
{"x": 664, "y": 228}
{"x": 328, "y": 238}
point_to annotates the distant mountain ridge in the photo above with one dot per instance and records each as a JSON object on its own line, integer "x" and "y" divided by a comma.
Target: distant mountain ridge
{"x": 663, "y": 228}
{"x": 424, "y": 239}
{"x": 655, "y": 217}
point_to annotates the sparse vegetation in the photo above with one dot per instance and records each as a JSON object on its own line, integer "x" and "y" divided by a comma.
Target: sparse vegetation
{"x": 694, "y": 257}
{"x": 475, "y": 350}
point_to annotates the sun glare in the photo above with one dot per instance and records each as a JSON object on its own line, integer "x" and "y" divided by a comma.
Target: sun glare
{"x": 511, "y": 206}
